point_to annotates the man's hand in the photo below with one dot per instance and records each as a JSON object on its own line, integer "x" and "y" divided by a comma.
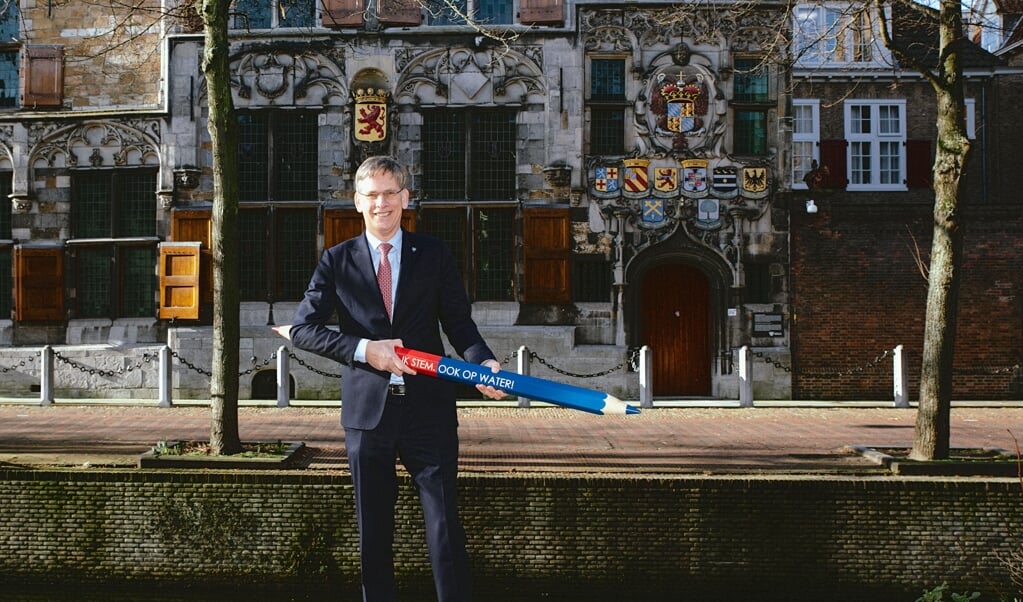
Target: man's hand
{"x": 284, "y": 331}
{"x": 381, "y": 355}
{"x": 487, "y": 390}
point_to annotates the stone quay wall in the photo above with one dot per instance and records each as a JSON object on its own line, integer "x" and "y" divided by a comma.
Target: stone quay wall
{"x": 632, "y": 535}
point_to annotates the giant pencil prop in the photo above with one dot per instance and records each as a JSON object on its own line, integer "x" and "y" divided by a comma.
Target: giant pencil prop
{"x": 539, "y": 389}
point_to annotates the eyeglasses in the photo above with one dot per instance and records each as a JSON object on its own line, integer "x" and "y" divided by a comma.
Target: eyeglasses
{"x": 387, "y": 195}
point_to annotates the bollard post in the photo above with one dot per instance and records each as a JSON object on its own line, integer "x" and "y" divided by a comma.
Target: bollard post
{"x": 745, "y": 377}
{"x": 165, "y": 377}
{"x": 283, "y": 377}
{"x": 646, "y": 374}
{"x": 899, "y": 378}
{"x": 523, "y": 368}
{"x": 46, "y": 376}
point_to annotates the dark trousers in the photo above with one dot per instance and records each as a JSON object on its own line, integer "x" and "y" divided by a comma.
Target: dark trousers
{"x": 429, "y": 452}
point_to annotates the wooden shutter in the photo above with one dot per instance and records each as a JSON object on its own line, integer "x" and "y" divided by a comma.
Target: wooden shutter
{"x": 196, "y": 225}
{"x": 39, "y": 284}
{"x": 179, "y": 280}
{"x": 919, "y": 164}
{"x": 833, "y": 157}
{"x": 341, "y": 224}
{"x": 541, "y": 12}
{"x": 546, "y": 238}
{"x": 343, "y": 13}
{"x": 400, "y": 13}
{"x": 42, "y": 84}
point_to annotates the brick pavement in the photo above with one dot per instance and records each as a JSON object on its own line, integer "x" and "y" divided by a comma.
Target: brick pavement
{"x": 782, "y": 438}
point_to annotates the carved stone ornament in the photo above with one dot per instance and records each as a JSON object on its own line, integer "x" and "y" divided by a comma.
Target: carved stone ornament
{"x": 21, "y": 204}
{"x": 186, "y": 178}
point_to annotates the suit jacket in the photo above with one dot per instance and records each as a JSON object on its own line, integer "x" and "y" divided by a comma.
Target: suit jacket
{"x": 430, "y": 297}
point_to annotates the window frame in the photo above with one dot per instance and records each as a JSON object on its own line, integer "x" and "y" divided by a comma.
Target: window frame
{"x": 877, "y": 139}
{"x": 833, "y": 40}
{"x": 239, "y": 19}
{"x": 469, "y": 133}
{"x": 606, "y": 111}
{"x": 6, "y": 246}
{"x": 437, "y": 18}
{"x": 750, "y": 110}
{"x": 275, "y": 131}
{"x": 117, "y": 244}
{"x": 813, "y": 138}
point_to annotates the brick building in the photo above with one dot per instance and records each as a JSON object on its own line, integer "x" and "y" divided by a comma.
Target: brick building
{"x": 610, "y": 176}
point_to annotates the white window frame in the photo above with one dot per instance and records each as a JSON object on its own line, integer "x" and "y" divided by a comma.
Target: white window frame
{"x": 812, "y": 137}
{"x": 879, "y": 138}
{"x": 825, "y": 36}
{"x": 971, "y": 118}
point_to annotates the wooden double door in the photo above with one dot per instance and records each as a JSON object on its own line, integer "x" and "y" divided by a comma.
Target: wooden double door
{"x": 676, "y": 325}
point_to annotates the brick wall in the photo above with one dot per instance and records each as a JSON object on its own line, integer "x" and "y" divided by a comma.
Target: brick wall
{"x": 857, "y": 292}
{"x": 637, "y": 536}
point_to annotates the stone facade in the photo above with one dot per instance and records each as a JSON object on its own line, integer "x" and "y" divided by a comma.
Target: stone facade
{"x": 680, "y": 238}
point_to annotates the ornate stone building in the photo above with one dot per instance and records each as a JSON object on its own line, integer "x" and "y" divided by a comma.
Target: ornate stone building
{"x": 610, "y": 176}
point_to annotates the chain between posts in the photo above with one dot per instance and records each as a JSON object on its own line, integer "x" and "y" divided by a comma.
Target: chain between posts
{"x": 874, "y": 363}
{"x": 772, "y": 361}
{"x": 21, "y": 364}
{"x": 298, "y": 360}
{"x": 207, "y": 373}
{"x": 631, "y": 360}
{"x": 146, "y": 358}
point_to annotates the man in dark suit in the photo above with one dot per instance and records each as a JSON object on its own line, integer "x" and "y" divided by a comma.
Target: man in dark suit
{"x": 388, "y": 411}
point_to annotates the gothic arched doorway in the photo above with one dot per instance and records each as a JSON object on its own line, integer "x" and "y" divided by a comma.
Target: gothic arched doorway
{"x": 676, "y": 325}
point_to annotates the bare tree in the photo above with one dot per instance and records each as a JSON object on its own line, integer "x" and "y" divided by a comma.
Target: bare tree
{"x": 931, "y": 438}
{"x": 223, "y": 128}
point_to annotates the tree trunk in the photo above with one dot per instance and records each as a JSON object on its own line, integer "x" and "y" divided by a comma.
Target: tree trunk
{"x": 223, "y": 127}
{"x": 933, "y": 422}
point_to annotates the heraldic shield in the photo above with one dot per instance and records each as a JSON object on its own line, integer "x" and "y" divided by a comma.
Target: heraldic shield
{"x": 605, "y": 181}
{"x": 636, "y": 183}
{"x": 370, "y": 115}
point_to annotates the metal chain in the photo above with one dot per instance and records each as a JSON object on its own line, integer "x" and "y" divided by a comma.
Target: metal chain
{"x": 534, "y": 356}
{"x": 21, "y": 364}
{"x": 857, "y": 370}
{"x": 190, "y": 365}
{"x": 1014, "y": 370}
{"x": 772, "y": 361}
{"x": 266, "y": 362}
{"x": 298, "y": 360}
{"x": 255, "y": 365}
{"x": 146, "y": 358}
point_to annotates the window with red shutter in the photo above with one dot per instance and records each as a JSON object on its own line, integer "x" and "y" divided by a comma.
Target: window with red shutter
{"x": 833, "y": 157}
{"x": 919, "y": 164}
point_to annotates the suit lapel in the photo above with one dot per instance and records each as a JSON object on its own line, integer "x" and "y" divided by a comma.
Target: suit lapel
{"x": 409, "y": 255}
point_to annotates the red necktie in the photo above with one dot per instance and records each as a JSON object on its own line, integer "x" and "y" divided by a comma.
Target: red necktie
{"x": 384, "y": 276}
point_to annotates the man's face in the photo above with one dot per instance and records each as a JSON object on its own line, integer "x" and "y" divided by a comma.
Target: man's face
{"x": 381, "y": 200}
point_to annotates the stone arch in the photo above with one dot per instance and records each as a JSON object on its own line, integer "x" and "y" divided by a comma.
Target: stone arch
{"x": 288, "y": 77}
{"x": 468, "y": 76}
{"x": 679, "y": 248}
{"x": 96, "y": 144}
